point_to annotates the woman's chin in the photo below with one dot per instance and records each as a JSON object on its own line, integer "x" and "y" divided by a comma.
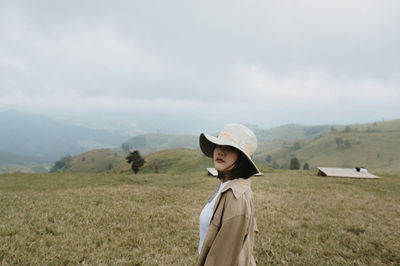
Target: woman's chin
{"x": 220, "y": 168}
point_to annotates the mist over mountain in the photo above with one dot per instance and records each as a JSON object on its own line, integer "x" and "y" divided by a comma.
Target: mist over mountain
{"x": 44, "y": 139}
{"x": 7, "y": 158}
{"x": 27, "y": 138}
{"x": 137, "y": 123}
{"x": 147, "y": 143}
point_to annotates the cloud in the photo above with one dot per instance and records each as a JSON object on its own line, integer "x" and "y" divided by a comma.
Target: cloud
{"x": 250, "y": 59}
{"x": 312, "y": 86}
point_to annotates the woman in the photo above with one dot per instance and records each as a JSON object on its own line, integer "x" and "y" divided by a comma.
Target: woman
{"x": 227, "y": 223}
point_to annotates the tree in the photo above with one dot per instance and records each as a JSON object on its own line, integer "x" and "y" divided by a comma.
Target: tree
{"x": 339, "y": 141}
{"x": 306, "y": 166}
{"x": 109, "y": 166}
{"x": 294, "y": 164}
{"x": 125, "y": 147}
{"x": 136, "y": 160}
{"x": 347, "y": 129}
{"x": 347, "y": 144}
{"x": 268, "y": 158}
{"x": 295, "y": 146}
{"x": 275, "y": 165}
{"x": 156, "y": 164}
{"x": 62, "y": 164}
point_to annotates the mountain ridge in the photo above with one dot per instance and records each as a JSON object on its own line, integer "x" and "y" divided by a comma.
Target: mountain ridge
{"x": 55, "y": 139}
{"x": 46, "y": 139}
{"x": 373, "y": 145}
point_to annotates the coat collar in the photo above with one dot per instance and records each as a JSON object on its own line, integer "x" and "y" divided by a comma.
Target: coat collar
{"x": 238, "y": 186}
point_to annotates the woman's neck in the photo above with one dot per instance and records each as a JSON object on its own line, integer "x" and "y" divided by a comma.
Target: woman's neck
{"x": 224, "y": 178}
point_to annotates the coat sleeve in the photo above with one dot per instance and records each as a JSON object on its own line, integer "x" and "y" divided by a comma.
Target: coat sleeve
{"x": 228, "y": 242}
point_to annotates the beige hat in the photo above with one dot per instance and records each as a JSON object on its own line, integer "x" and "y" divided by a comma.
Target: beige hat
{"x": 235, "y": 135}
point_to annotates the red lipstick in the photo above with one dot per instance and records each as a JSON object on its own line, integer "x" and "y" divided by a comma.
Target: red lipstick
{"x": 219, "y": 160}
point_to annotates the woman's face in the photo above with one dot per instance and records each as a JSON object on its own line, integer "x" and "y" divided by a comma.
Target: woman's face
{"x": 225, "y": 157}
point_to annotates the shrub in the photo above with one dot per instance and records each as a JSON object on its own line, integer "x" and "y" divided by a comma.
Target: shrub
{"x": 109, "y": 166}
{"x": 294, "y": 164}
{"x": 62, "y": 164}
{"x": 125, "y": 147}
{"x": 339, "y": 141}
{"x": 136, "y": 160}
{"x": 295, "y": 147}
{"x": 275, "y": 165}
{"x": 347, "y": 144}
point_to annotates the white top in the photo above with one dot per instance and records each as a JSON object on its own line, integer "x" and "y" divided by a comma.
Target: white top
{"x": 207, "y": 212}
{"x": 363, "y": 170}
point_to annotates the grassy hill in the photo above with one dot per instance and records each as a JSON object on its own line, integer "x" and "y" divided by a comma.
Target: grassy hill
{"x": 268, "y": 139}
{"x": 375, "y": 146}
{"x": 97, "y": 161}
{"x": 290, "y": 132}
{"x": 176, "y": 161}
{"x": 171, "y": 161}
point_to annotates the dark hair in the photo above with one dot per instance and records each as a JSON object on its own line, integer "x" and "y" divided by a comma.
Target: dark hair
{"x": 242, "y": 169}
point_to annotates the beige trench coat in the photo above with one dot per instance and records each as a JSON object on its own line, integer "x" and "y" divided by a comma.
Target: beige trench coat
{"x": 230, "y": 237}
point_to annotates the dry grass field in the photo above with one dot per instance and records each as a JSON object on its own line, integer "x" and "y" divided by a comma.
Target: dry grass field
{"x": 152, "y": 219}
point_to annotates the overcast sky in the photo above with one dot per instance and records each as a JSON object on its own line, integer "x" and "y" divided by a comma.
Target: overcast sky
{"x": 256, "y": 62}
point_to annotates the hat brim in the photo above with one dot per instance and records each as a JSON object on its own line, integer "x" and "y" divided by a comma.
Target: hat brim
{"x": 208, "y": 143}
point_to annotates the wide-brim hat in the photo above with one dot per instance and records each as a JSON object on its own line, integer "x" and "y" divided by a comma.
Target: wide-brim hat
{"x": 234, "y": 135}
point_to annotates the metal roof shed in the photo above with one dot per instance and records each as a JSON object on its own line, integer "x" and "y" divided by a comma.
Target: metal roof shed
{"x": 344, "y": 172}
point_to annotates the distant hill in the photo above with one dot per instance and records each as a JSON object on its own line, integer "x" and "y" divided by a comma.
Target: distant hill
{"x": 166, "y": 161}
{"x": 12, "y": 158}
{"x": 290, "y": 132}
{"x": 40, "y": 138}
{"x": 176, "y": 161}
{"x": 30, "y": 139}
{"x": 148, "y": 143}
{"x": 31, "y": 168}
{"x": 373, "y": 145}
{"x": 172, "y": 161}
{"x": 97, "y": 161}
{"x": 269, "y": 139}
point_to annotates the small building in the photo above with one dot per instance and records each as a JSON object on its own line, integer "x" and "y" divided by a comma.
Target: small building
{"x": 358, "y": 172}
